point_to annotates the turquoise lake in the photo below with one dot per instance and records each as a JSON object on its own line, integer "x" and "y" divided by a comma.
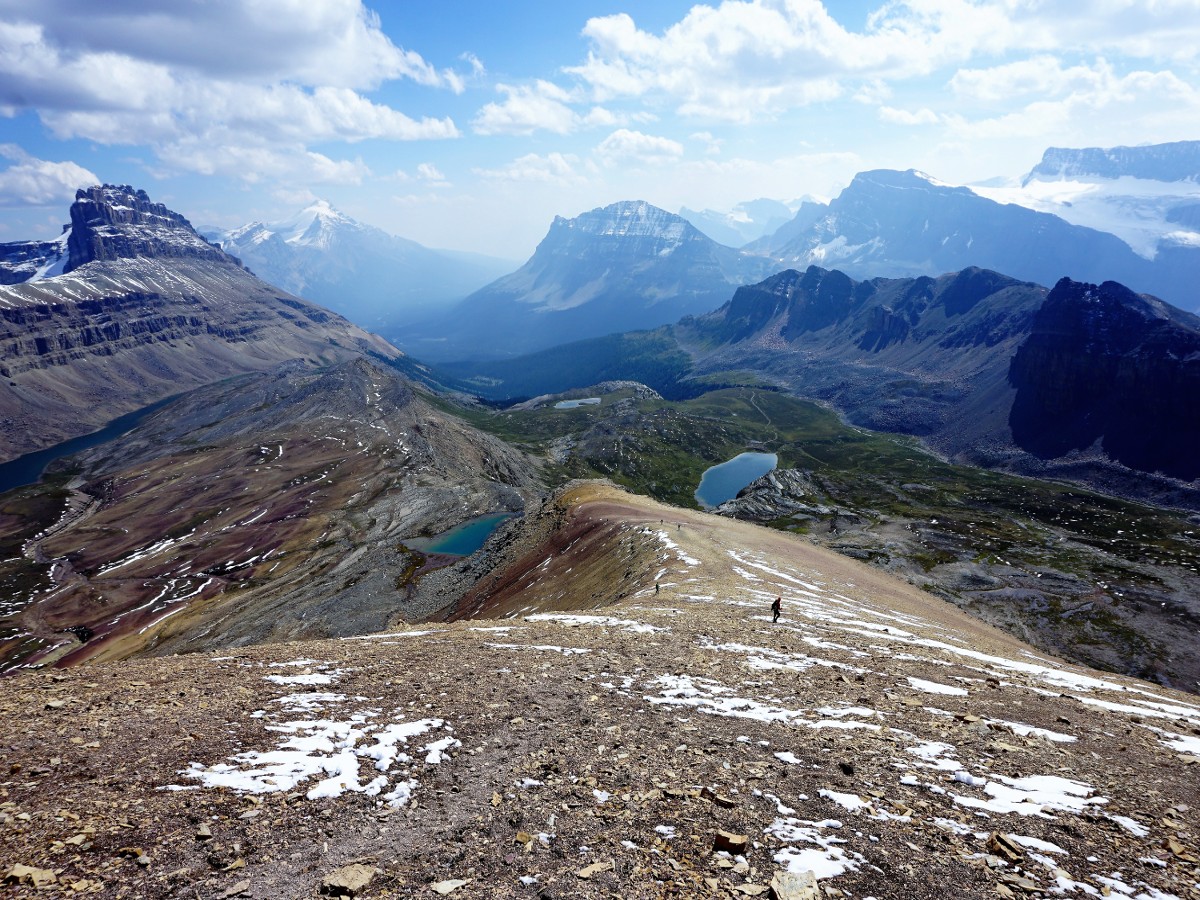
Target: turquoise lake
{"x": 575, "y": 404}
{"x": 464, "y": 539}
{"x": 721, "y": 483}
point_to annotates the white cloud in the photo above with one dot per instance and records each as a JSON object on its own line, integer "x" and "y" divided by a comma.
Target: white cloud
{"x": 625, "y": 146}
{"x": 741, "y": 60}
{"x": 431, "y": 173}
{"x": 1156, "y": 106}
{"x": 312, "y": 42}
{"x": 894, "y": 116}
{"x": 256, "y": 83}
{"x": 1040, "y": 75}
{"x": 38, "y": 182}
{"x": 541, "y": 106}
{"x": 553, "y": 168}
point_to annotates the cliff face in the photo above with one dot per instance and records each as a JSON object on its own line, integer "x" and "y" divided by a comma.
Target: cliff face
{"x": 148, "y": 309}
{"x": 1178, "y": 161}
{"x": 24, "y": 260}
{"x": 110, "y": 222}
{"x": 1103, "y": 364}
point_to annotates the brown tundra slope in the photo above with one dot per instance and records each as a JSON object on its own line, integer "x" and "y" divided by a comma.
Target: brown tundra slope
{"x": 612, "y": 713}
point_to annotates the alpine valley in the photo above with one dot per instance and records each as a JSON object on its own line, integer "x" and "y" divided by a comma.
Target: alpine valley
{"x": 240, "y": 659}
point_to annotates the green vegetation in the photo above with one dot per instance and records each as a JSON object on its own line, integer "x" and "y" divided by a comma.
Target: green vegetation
{"x": 940, "y": 515}
{"x": 650, "y": 357}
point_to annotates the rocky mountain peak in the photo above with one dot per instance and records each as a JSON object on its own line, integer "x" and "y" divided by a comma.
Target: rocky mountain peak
{"x": 633, "y": 218}
{"x": 315, "y": 224}
{"x": 894, "y": 179}
{"x": 119, "y": 222}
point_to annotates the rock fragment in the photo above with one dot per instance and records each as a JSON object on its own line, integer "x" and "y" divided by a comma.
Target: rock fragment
{"x": 794, "y": 886}
{"x": 730, "y": 842}
{"x": 348, "y": 881}
{"x": 594, "y": 869}
{"x": 30, "y": 875}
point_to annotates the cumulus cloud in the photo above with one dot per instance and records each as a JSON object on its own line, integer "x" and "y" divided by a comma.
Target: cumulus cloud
{"x": 39, "y": 182}
{"x": 541, "y": 106}
{"x": 744, "y": 59}
{"x": 894, "y": 116}
{"x": 553, "y": 168}
{"x": 332, "y": 42}
{"x": 431, "y": 173}
{"x": 625, "y": 146}
{"x": 1154, "y": 105}
{"x": 262, "y": 80}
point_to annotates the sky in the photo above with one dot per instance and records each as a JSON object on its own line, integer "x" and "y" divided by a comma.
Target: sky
{"x": 470, "y": 125}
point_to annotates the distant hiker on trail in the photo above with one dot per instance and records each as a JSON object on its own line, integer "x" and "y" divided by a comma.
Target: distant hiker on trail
{"x": 776, "y": 609}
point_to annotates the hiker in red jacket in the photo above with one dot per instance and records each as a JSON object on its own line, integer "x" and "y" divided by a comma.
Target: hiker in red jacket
{"x": 776, "y": 609}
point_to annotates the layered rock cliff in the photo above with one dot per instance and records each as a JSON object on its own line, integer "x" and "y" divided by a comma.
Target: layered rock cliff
{"x": 148, "y": 309}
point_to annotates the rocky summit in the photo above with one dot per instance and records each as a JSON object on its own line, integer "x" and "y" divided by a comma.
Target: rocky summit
{"x": 142, "y": 308}
{"x": 612, "y": 713}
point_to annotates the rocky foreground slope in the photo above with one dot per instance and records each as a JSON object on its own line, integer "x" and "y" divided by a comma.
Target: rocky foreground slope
{"x": 618, "y": 717}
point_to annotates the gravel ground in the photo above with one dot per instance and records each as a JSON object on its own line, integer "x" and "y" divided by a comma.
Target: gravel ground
{"x": 618, "y": 710}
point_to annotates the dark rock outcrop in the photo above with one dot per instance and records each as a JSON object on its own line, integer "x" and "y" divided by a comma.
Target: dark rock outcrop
{"x": 21, "y": 260}
{"x": 117, "y": 222}
{"x": 1106, "y": 365}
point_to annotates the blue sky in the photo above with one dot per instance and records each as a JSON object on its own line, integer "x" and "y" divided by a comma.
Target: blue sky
{"x": 470, "y": 125}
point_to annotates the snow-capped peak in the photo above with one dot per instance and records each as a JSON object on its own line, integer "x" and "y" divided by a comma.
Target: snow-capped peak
{"x": 313, "y": 225}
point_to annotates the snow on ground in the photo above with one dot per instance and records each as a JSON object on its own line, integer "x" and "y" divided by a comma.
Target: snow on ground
{"x": 326, "y": 753}
{"x": 575, "y": 619}
{"x": 933, "y": 687}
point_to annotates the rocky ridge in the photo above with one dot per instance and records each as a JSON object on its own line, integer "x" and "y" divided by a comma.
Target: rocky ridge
{"x": 1177, "y": 161}
{"x": 874, "y": 742}
{"x": 270, "y": 507}
{"x": 1095, "y": 385}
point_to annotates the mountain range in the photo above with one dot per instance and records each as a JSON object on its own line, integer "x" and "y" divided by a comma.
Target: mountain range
{"x": 144, "y": 308}
{"x": 628, "y": 265}
{"x": 374, "y": 279}
{"x": 893, "y": 224}
{"x": 985, "y": 368}
{"x": 596, "y": 702}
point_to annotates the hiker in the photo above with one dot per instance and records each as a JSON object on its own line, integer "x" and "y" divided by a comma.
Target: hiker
{"x": 776, "y": 609}
{"x": 656, "y": 587}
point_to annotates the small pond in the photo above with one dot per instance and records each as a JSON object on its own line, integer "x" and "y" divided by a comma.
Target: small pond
{"x": 464, "y": 539}
{"x": 575, "y": 404}
{"x": 721, "y": 483}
